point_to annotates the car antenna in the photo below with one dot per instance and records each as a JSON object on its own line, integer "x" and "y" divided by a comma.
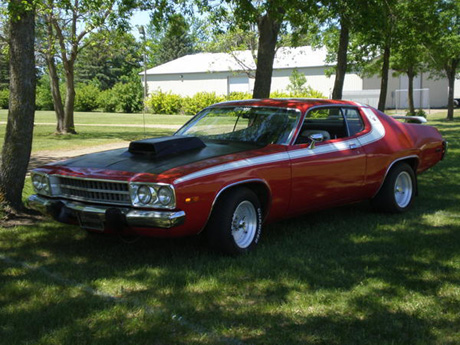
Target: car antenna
{"x": 144, "y": 45}
{"x": 143, "y": 118}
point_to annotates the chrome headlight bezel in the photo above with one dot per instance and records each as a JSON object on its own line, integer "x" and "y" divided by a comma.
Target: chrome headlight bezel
{"x": 41, "y": 183}
{"x": 137, "y": 189}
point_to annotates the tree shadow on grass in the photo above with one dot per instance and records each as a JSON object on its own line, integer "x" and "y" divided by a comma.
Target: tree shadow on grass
{"x": 342, "y": 276}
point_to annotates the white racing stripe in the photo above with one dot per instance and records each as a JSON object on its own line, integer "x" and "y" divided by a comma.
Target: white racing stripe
{"x": 376, "y": 133}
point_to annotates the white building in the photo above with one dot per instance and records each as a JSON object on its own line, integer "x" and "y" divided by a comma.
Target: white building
{"x": 224, "y": 73}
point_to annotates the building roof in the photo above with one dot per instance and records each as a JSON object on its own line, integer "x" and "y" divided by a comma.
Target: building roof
{"x": 241, "y": 60}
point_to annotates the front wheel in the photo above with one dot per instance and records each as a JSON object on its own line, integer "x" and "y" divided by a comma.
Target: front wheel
{"x": 398, "y": 190}
{"x": 235, "y": 225}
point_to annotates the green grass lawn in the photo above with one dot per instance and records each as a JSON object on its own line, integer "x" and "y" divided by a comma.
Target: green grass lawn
{"x": 108, "y": 118}
{"x": 341, "y": 276}
{"x": 113, "y": 131}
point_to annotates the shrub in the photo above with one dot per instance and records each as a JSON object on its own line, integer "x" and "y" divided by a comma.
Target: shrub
{"x": 128, "y": 96}
{"x": 86, "y": 98}
{"x": 421, "y": 113}
{"x": 4, "y": 98}
{"x": 297, "y": 81}
{"x": 199, "y": 101}
{"x": 43, "y": 96}
{"x": 279, "y": 94}
{"x": 308, "y": 92}
{"x": 297, "y": 87}
{"x": 160, "y": 102}
{"x": 107, "y": 101}
{"x": 235, "y": 96}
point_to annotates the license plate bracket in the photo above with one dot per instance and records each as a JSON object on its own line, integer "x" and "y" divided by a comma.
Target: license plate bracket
{"x": 91, "y": 221}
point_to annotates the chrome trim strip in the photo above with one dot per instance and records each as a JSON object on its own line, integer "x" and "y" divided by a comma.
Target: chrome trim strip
{"x": 233, "y": 185}
{"x": 418, "y": 119}
{"x": 90, "y": 179}
{"x": 157, "y": 219}
{"x": 389, "y": 168}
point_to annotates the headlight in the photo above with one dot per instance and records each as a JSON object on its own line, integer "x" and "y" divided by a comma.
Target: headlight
{"x": 152, "y": 195}
{"x": 41, "y": 184}
{"x": 145, "y": 194}
{"x": 165, "y": 195}
{"x": 37, "y": 181}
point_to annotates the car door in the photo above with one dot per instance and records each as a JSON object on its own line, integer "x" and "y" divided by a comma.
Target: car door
{"x": 330, "y": 172}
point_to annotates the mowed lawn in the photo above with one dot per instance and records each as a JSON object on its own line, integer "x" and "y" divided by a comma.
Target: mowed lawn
{"x": 97, "y": 129}
{"x": 341, "y": 276}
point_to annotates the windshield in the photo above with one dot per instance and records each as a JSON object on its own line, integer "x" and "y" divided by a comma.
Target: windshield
{"x": 261, "y": 125}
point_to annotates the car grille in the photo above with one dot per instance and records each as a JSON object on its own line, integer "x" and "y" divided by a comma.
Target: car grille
{"x": 111, "y": 192}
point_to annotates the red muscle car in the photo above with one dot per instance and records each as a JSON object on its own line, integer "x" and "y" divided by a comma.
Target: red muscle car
{"x": 238, "y": 165}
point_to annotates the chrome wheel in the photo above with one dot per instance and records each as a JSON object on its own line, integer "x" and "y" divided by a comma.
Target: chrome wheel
{"x": 403, "y": 189}
{"x": 235, "y": 225}
{"x": 244, "y": 224}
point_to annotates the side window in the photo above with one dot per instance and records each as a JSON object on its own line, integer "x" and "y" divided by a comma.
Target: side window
{"x": 329, "y": 122}
{"x": 354, "y": 120}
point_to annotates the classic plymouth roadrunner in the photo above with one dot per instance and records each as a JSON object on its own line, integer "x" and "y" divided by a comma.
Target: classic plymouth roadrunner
{"x": 237, "y": 165}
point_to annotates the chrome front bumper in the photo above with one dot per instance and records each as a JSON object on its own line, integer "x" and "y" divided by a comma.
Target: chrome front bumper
{"x": 63, "y": 210}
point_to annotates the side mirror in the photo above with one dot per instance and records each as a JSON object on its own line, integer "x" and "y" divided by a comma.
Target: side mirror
{"x": 315, "y": 138}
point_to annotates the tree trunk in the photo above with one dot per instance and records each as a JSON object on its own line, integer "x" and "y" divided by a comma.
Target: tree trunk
{"x": 341, "y": 68}
{"x": 268, "y": 36}
{"x": 450, "y": 101}
{"x": 410, "y": 91}
{"x": 69, "y": 125}
{"x": 384, "y": 81}
{"x": 56, "y": 93}
{"x": 19, "y": 129}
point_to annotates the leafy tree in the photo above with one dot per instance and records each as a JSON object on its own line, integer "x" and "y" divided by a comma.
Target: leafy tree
{"x": 379, "y": 32}
{"x": 65, "y": 25}
{"x": 108, "y": 55}
{"x": 171, "y": 43}
{"x": 176, "y": 41}
{"x": 368, "y": 39}
{"x": 443, "y": 42}
{"x": 341, "y": 19}
{"x": 4, "y": 66}
{"x": 18, "y": 137}
{"x": 233, "y": 41}
{"x": 4, "y": 54}
{"x": 269, "y": 17}
{"x": 409, "y": 54}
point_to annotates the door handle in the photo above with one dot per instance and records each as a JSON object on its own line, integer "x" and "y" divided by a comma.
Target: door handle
{"x": 353, "y": 146}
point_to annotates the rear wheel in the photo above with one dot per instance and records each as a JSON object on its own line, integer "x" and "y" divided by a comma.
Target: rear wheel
{"x": 398, "y": 190}
{"x": 235, "y": 225}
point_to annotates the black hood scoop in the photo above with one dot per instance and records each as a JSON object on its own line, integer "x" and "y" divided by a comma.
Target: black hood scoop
{"x": 165, "y": 146}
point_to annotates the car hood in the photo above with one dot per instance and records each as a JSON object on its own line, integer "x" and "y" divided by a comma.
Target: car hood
{"x": 123, "y": 160}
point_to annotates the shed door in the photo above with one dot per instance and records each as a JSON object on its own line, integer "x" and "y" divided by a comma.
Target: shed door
{"x": 238, "y": 84}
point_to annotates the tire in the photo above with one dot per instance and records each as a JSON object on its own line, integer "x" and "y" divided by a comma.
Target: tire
{"x": 398, "y": 190}
{"x": 235, "y": 224}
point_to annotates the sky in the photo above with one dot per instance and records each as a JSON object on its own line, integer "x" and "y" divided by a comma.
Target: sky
{"x": 139, "y": 18}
